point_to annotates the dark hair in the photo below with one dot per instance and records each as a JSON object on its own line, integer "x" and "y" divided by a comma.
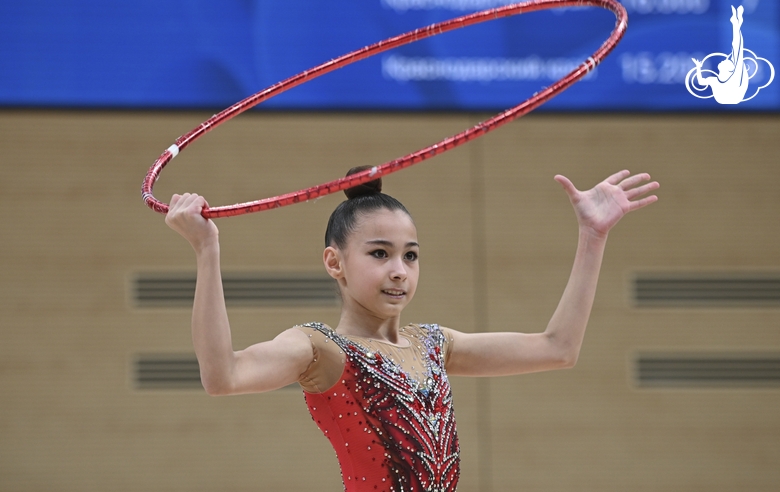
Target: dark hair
{"x": 361, "y": 200}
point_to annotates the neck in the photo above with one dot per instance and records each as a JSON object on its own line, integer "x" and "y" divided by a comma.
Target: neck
{"x": 369, "y": 326}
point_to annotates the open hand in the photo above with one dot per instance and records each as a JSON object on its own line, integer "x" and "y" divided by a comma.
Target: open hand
{"x": 601, "y": 207}
{"x": 184, "y": 216}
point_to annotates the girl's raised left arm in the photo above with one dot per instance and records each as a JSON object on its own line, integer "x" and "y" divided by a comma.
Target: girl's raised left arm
{"x": 597, "y": 210}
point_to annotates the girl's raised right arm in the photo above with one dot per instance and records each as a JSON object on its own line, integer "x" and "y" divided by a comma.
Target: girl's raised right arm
{"x": 261, "y": 367}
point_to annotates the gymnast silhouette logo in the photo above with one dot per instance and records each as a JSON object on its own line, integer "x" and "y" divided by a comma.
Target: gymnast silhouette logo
{"x": 730, "y": 84}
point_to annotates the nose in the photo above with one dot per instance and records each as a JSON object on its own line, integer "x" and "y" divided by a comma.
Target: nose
{"x": 397, "y": 270}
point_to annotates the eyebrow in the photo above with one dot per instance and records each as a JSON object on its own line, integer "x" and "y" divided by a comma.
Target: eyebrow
{"x": 385, "y": 242}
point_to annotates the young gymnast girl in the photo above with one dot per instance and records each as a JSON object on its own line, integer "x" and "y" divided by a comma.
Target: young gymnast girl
{"x": 376, "y": 388}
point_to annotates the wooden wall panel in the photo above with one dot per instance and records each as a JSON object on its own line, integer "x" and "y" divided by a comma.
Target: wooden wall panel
{"x": 590, "y": 428}
{"x": 75, "y": 231}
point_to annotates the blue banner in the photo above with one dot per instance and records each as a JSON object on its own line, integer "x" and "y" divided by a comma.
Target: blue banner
{"x": 205, "y": 54}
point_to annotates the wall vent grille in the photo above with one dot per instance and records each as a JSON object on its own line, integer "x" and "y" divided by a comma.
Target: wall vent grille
{"x": 167, "y": 371}
{"x": 171, "y": 372}
{"x": 708, "y": 370}
{"x": 707, "y": 290}
{"x": 251, "y": 290}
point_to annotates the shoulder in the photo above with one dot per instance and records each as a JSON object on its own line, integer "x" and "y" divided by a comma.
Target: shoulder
{"x": 292, "y": 343}
{"x": 317, "y": 333}
{"x": 437, "y": 335}
{"x": 323, "y": 337}
{"x": 313, "y": 326}
{"x": 432, "y": 330}
{"x": 328, "y": 357}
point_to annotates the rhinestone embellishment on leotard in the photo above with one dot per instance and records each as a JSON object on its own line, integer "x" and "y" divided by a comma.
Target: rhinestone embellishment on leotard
{"x": 412, "y": 420}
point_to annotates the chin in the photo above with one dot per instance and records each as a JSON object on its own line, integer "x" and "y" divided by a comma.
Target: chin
{"x": 393, "y": 311}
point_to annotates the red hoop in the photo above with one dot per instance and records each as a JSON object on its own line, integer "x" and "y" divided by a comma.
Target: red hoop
{"x": 396, "y": 165}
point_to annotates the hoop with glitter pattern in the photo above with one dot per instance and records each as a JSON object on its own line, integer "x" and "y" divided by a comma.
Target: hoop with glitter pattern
{"x": 477, "y": 130}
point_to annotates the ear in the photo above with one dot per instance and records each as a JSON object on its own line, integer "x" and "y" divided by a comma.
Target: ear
{"x": 332, "y": 259}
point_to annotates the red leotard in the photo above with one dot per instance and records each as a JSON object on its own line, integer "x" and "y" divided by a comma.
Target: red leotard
{"x": 392, "y": 425}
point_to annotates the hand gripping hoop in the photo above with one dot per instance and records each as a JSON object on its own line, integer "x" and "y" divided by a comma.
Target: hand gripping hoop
{"x": 448, "y": 143}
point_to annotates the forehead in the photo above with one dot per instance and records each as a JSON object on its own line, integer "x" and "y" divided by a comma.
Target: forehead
{"x": 392, "y": 225}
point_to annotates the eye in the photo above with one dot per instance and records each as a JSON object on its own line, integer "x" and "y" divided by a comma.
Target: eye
{"x": 379, "y": 253}
{"x": 411, "y": 256}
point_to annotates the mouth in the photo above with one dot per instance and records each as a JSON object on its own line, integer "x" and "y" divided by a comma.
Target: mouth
{"x": 394, "y": 293}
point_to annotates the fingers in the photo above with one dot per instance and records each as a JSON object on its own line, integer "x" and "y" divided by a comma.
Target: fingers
{"x": 620, "y": 178}
{"x": 185, "y": 216}
{"x": 634, "y": 180}
{"x": 187, "y": 200}
{"x": 631, "y": 186}
{"x": 174, "y": 200}
{"x": 636, "y": 205}
{"x": 641, "y": 190}
{"x": 188, "y": 204}
{"x": 632, "y": 190}
{"x": 566, "y": 184}
{"x": 617, "y": 177}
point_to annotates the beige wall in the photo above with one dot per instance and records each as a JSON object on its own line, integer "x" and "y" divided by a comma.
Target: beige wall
{"x": 498, "y": 238}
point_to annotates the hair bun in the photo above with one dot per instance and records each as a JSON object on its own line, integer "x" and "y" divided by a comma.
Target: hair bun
{"x": 370, "y": 188}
